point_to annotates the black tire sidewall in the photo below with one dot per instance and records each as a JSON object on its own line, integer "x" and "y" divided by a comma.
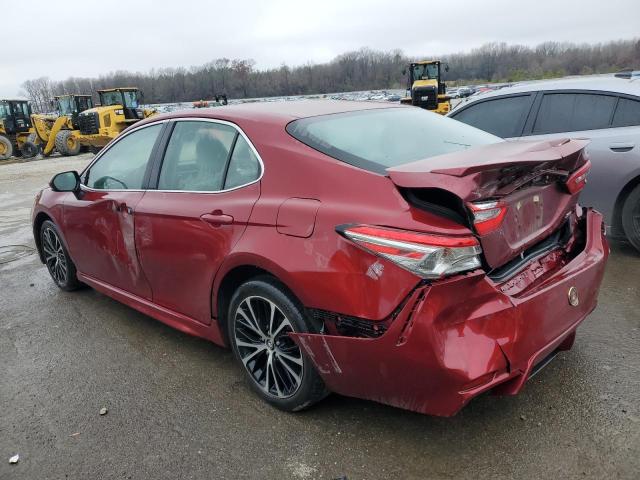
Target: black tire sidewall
{"x": 72, "y": 282}
{"x": 29, "y": 149}
{"x": 631, "y": 206}
{"x": 312, "y": 388}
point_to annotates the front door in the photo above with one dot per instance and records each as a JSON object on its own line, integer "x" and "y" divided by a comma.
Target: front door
{"x": 206, "y": 189}
{"x": 100, "y": 220}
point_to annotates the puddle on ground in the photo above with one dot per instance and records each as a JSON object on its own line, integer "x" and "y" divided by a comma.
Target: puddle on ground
{"x": 9, "y": 253}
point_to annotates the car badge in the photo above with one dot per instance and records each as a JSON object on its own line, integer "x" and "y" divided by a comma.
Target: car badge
{"x": 574, "y": 298}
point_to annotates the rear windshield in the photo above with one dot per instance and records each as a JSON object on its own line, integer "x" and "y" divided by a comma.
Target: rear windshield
{"x": 381, "y": 138}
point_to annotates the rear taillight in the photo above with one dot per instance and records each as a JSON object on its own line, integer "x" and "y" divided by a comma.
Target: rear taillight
{"x": 429, "y": 256}
{"x": 578, "y": 179}
{"x": 487, "y": 216}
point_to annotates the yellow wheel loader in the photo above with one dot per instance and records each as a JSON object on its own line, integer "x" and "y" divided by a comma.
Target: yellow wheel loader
{"x": 425, "y": 86}
{"x": 119, "y": 108}
{"x": 56, "y": 132}
{"x": 15, "y": 129}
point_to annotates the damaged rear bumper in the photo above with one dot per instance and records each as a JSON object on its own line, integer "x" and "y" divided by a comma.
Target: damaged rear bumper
{"x": 459, "y": 337}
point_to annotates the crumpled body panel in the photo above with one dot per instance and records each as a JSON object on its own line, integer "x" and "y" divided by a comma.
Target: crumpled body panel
{"x": 457, "y": 338}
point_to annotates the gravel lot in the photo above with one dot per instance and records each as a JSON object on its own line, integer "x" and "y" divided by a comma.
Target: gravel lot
{"x": 178, "y": 406}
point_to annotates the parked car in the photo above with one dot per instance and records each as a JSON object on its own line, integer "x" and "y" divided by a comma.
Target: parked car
{"x": 464, "y": 92}
{"x": 605, "y": 110}
{"x": 453, "y": 92}
{"x": 331, "y": 254}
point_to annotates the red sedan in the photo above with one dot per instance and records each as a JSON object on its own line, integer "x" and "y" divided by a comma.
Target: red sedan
{"x": 377, "y": 251}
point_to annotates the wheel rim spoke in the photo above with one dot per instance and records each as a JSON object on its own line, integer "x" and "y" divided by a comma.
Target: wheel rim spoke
{"x": 246, "y": 321}
{"x": 297, "y": 361}
{"x": 274, "y": 362}
{"x": 255, "y": 353}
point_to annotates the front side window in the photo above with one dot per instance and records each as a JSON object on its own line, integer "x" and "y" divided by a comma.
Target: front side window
{"x": 196, "y": 157}
{"x": 380, "y": 138}
{"x": 123, "y": 166}
{"x": 110, "y": 98}
{"x": 4, "y": 110}
{"x": 130, "y": 99}
{"x": 65, "y": 105}
{"x": 84, "y": 103}
{"x": 573, "y": 112}
{"x": 627, "y": 113}
{"x": 502, "y": 117}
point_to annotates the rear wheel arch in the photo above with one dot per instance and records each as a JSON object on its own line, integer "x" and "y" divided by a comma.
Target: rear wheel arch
{"x": 616, "y": 221}
{"x": 232, "y": 280}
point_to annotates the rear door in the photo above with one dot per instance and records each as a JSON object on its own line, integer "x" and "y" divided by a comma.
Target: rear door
{"x": 99, "y": 220}
{"x": 206, "y": 186}
{"x": 503, "y": 116}
{"x": 611, "y": 123}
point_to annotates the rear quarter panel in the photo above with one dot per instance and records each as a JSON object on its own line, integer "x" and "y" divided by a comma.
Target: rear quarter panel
{"x": 610, "y": 171}
{"x": 325, "y": 271}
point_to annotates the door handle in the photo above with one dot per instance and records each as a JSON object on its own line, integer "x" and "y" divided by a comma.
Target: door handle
{"x": 122, "y": 207}
{"x": 217, "y": 218}
{"x": 621, "y": 147}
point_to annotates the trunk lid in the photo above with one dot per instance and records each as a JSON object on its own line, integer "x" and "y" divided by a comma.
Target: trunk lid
{"x": 527, "y": 177}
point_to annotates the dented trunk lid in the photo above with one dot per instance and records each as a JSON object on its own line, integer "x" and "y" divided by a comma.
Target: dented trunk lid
{"x": 528, "y": 177}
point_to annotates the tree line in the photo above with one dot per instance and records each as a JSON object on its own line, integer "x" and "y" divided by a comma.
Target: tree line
{"x": 364, "y": 69}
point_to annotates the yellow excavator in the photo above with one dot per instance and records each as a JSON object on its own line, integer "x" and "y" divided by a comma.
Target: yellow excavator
{"x": 15, "y": 129}
{"x": 425, "y": 86}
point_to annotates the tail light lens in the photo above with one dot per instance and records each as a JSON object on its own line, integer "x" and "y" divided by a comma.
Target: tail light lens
{"x": 428, "y": 256}
{"x": 578, "y": 179}
{"x": 487, "y": 216}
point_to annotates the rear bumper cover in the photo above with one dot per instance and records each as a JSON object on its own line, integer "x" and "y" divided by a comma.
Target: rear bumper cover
{"x": 462, "y": 336}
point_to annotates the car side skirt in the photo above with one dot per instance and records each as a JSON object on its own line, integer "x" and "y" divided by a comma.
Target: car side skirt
{"x": 169, "y": 317}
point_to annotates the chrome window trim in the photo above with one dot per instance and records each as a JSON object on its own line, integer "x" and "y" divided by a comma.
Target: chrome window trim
{"x": 179, "y": 119}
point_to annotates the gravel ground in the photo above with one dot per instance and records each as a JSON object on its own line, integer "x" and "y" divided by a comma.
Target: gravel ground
{"x": 177, "y": 406}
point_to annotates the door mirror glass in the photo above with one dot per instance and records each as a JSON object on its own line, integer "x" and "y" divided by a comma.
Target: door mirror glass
{"x": 66, "y": 182}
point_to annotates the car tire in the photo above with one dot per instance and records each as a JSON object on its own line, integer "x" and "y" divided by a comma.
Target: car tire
{"x": 273, "y": 364}
{"x": 57, "y": 259}
{"x": 631, "y": 217}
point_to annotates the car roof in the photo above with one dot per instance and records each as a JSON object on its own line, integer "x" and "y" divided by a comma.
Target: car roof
{"x": 603, "y": 83}
{"x": 278, "y": 111}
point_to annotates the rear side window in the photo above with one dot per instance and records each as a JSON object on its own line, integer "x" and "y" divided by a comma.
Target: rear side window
{"x": 243, "y": 166}
{"x": 627, "y": 113}
{"x": 196, "y": 157}
{"x": 572, "y": 112}
{"x": 502, "y": 117}
{"x": 377, "y": 139}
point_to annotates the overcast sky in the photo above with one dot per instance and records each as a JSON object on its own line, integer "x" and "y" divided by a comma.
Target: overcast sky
{"x": 85, "y": 38}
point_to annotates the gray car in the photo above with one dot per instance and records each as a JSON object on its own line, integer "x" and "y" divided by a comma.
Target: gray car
{"x": 604, "y": 109}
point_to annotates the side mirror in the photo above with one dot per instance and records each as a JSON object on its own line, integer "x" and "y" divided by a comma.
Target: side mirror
{"x": 65, "y": 182}
{"x": 404, "y": 71}
{"x": 52, "y": 104}
{"x": 446, "y": 67}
